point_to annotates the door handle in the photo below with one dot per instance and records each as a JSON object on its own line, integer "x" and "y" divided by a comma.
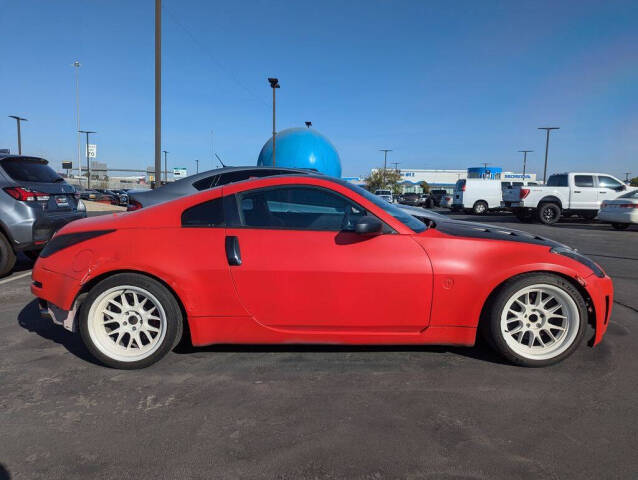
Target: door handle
{"x": 603, "y": 191}
{"x": 576, "y": 191}
{"x": 233, "y": 254}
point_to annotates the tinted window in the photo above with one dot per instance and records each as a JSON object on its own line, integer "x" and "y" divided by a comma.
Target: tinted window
{"x": 583, "y": 180}
{"x": 25, "y": 169}
{"x": 205, "y": 183}
{"x": 406, "y": 219}
{"x": 299, "y": 208}
{"x": 518, "y": 184}
{"x": 557, "y": 181}
{"x": 608, "y": 182}
{"x": 207, "y": 214}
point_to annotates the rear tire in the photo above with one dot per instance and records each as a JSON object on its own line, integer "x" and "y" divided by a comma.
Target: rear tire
{"x": 130, "y": 321}
{"x": 620, "y": 226}
{"x": 549, "y": 213}
{"x": 480, "y": 208}
{"x": 536, "y": 319}
{"x": 7, "y": 256}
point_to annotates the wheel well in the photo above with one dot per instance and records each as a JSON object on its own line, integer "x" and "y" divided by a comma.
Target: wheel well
{"x": 591, "y": 313}
{"x": 551, "y": 200}
{"x": 91, "y": 283}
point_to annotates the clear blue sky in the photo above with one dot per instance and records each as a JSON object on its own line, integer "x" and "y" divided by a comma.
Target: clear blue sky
{"x": 444, "y": 84}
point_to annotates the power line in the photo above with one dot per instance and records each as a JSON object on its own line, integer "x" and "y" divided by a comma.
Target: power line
{"x": 219, "y": 65}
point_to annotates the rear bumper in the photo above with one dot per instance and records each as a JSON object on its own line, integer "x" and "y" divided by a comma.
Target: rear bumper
{"x": 35, "y": 232}
{"x": 618, "y": 216}
{"x": 601, "y": 291}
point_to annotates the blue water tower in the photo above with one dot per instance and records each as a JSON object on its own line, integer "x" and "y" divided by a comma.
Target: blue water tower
{"x": 302, "y": 148}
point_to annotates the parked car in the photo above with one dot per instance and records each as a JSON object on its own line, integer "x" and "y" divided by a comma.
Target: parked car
{"x": 446, "y": 201}
{"x": 34, "y": 203}
{"x": 571, "y": 193}
{"x": 410, "y": 198}
{"x": 112, "y": 196}
{"x": 203, "y": 181}
{"x": 87, "y": 194}
{"x": 313, "y": 259}
{"x": 620, "y": 212}
{"x": 477, "y": 195}
{"x": 436, "y": 196}
{"x": 385, "y": 195}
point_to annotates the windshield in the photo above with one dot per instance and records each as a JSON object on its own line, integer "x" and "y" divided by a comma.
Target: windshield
{"x": 406, "y": 219}
{"x": 29, "y": 169}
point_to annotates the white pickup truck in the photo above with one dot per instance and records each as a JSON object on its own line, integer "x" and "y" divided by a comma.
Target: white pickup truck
{"x": 572, "y": 193}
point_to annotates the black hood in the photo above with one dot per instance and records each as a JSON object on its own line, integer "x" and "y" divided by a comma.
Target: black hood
{"x": 460, "y": 228}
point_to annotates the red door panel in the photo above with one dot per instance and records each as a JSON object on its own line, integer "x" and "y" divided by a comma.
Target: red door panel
{"x": 333, "y": 281}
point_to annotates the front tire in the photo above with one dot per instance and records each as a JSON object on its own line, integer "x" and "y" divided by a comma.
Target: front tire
{"x": 130, "y": 321}
{"x": 549, "y": 213}
{"x": 536, "y": 320}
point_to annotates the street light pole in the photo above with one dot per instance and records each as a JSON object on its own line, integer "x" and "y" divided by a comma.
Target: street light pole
{"x": 158, "y": 91}
{"x": 274, "y": 84}
{"x": 396, "y": 166}
{"x": 18, "y": 120}
{"x": 385, "y": 161}
{"x": 197, "y": 166}
{"x": 525, "y": 160}
{"x": 88, "y": 163}
{"x": 165, "y": 167}
{"x": 547, "y": 130}
{"x": 76, "y": 64}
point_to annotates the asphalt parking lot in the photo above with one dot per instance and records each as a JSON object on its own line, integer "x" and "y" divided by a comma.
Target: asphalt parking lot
{"x": 326, "y": 412}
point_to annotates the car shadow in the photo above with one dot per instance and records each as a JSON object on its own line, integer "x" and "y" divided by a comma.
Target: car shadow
{"x": 480, "y": 351}
{"x": 29, "y": 319}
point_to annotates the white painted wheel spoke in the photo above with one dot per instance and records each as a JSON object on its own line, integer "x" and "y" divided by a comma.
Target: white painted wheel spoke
{"x": 133, "y": 337}
{"x": 540, "y": 321}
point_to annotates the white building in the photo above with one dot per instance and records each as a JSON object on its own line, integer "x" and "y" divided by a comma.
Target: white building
{"x": 445, "y": 179}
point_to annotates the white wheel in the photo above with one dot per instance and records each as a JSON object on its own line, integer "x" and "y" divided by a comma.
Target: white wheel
{"x": 130, "y": 321}
{"x": 127, "y": 323}
{"x": 535, "y": 319}
{"x": 540, "y": 322}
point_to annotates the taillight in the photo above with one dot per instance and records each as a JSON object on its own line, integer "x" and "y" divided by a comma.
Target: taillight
{"x": 133, "y": 205}
{"x": 628, "y": 205}
{"x": 463, "y": 187}
{"x": 26, "y": 194}
{"x": 524, "y": 192}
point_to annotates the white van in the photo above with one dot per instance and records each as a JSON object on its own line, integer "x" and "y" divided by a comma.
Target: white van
{"x": 478, "y": 195}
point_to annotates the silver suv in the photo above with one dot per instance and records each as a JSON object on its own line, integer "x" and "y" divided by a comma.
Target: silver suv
{"x": 34, "y": 203}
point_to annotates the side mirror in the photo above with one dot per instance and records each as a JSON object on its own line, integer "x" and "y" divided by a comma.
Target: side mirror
{"x": 368, "y": 225}
{"x": 622, "y": 188}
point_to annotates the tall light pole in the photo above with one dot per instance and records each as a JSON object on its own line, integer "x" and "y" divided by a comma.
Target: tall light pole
{"x": 158, "y": 92}
{"x": 627, "y": 177}
{"x": 18, "y": 120}
{"x": 274, "y": 84}
{"x": 396, "y": 166}
{"x": 525, "y": 152}
{"x": 76, "y": 65}
{"x": 547, "y": 130}
{"x": 88, "y": 163}
{"x": 165, "y": 167}
{"x": 197, "y": 166}
{"x": 385, "y": 161}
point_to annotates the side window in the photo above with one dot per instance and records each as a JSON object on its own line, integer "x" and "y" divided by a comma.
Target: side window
{"x": 298, "y": 208}
{"x": 207, "y": 214}
{"x": 608, "y": 182}
{"x": 583, "y": 180}
{"x": 205, "y": 183}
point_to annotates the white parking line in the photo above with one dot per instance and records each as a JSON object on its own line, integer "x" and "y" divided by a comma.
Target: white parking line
{"x": 15, "y": 277}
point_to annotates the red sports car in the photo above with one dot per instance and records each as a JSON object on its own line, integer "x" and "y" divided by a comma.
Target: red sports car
{"x": 312, "y": 259}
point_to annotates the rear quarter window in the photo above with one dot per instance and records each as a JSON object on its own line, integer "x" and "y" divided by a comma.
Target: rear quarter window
{"x": 557, "y": 181}
{"x": 207, "y": 214}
